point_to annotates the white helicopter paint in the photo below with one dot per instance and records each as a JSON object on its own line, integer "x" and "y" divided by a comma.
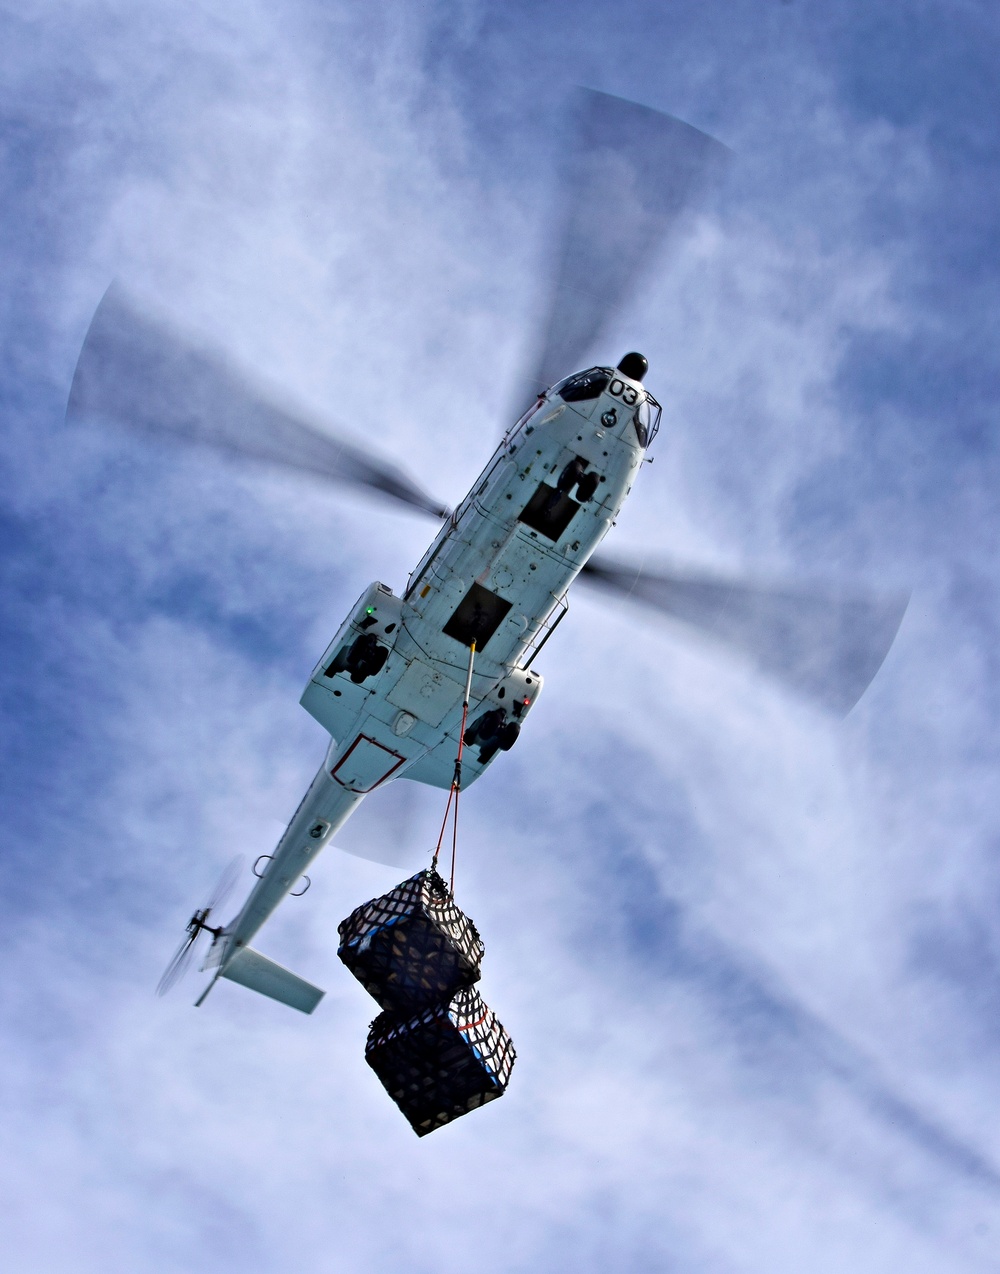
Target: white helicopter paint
{"x": 391, "y": 686}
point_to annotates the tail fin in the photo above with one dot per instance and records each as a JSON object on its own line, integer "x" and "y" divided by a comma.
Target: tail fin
{"x": 251, "y": 969}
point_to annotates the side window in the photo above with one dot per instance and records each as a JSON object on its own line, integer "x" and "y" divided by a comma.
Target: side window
{"x": 641, "y": 422}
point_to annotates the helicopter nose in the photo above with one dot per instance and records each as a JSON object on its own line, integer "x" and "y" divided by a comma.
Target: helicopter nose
{"x": 634, "y": 366}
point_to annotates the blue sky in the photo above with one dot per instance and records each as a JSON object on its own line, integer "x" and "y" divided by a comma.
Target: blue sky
{"x": 749, "y": 954}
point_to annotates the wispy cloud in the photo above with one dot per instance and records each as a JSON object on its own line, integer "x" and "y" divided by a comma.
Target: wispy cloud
{"x": 747, "y": 955}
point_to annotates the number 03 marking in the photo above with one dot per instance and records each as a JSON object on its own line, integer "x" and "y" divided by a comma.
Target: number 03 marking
{"x": 627, "y": 393}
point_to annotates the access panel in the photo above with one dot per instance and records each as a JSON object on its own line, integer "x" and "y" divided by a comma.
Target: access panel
{"x": 365, "y": 764}
{"x": 478, "y": 615}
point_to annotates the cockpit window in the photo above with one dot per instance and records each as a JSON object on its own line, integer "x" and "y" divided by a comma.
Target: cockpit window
{"x": 585, "y": 385}
{"x": 647, "y": 420}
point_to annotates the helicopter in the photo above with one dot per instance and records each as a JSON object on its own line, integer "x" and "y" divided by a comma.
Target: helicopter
{"x": 432, "y": 684}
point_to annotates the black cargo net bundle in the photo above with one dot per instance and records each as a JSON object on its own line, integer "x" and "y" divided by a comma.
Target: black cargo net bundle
{"x": 442, "y": 1062}
{"x": 438, "y": 1050}
{"x": 413, "y": 946}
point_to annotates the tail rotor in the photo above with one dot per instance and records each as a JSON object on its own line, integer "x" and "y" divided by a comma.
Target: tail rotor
{"x": 199, "y": 924}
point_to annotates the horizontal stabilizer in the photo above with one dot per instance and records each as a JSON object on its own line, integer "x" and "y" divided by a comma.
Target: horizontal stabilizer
{"x": 251, "y": 969}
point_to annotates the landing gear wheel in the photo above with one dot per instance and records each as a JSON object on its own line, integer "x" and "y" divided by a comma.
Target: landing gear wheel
{"x": 586, "y": 487}
{"x": 508, "y": 735}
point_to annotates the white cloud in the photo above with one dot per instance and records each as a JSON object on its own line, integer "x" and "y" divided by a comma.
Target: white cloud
{"x": 697, "y": 894}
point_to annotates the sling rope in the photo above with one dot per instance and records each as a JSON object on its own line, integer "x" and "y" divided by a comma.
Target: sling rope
{"x": 456, "y": 782}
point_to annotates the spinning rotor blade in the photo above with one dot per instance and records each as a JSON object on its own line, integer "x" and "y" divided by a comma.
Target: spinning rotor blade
{"x": 629, "y": 177}
{"x": 226, "y": 885}
{"x": 196, "y": 926}
{"x": 824, "y": 644}
{"x": 179, "y": 965}
{"x": 137, "y": 372}
{"x": 396, "y": 826}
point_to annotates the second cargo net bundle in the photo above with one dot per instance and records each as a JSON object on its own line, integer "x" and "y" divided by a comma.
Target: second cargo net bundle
{"x": 437, "y": 1048}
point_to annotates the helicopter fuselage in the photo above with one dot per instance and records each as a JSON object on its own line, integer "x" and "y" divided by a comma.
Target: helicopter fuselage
{"x": 390, "y": 686}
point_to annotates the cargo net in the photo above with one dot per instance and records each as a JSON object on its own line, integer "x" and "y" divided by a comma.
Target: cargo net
{"x": 442, "y": 1062}
{"x": 412, "y": 947}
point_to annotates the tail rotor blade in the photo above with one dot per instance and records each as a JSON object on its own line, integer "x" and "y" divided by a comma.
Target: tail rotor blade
{"x": 181, "y": 961}
{"x": 179, "y": 964}
{"x": 226, "y": 884}
{"x": 825, "y": 644}
{"x": 136, "y": 371}
{"x": 630, "y": 175}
